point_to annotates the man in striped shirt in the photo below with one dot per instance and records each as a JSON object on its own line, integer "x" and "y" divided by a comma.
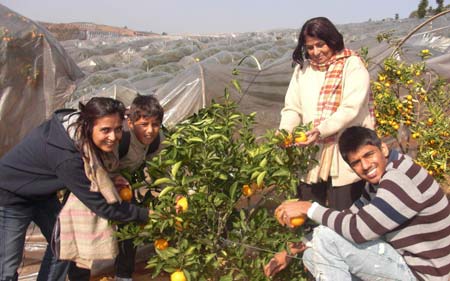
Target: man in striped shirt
{"x": 398, "y": 230}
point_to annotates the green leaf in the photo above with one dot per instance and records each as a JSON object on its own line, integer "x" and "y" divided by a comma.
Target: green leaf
{"x": 195, "y": 128}
{"x": 214, "y": 136}
{"x": 165, "y": 191}
{"x": 138, "y": 185}
{"x": 209, "y": 257}
{"x": 263, "y": 163}
{"x": 237, "y": 85}
{"x": 255, "y": 174}
{"x": 228, "y": 277}
{"x": 162, "y": 181}
{"x": 233, "y": 188}
{"x": 234, "y": 116}
{"x": 189, "y": 251}
{"x": 175, "y": 168}
{"x": 279, "y": 160}
{"x": 194, "y": 139}
{"x": 283, "y": 172}
{"x": 260, "y": 178}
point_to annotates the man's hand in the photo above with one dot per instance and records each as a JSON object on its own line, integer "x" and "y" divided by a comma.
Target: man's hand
{"x": 281, "y": 259}
{"x": 279, "y": 262}
{"x": 291, "y": 209}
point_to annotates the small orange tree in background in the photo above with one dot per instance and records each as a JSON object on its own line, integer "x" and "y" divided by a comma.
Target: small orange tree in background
{"x": 412, "y": 106}
{"x": 229, "y": 182}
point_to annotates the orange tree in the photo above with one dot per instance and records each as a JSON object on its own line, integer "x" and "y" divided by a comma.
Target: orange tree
{"x": 218, "y": 187}
{"x": 412, "y": 106}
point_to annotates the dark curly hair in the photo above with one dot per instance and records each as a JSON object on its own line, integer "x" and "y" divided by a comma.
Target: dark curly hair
{"x": 145, "y": 106}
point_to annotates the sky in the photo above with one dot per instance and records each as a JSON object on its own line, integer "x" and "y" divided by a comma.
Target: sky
{"x": 210, "y": 16}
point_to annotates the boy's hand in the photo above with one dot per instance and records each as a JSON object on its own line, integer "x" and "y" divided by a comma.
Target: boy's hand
{"x": 148, "y": 179}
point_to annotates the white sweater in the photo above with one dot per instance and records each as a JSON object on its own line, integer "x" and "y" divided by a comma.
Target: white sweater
{"x": 301, "y": 108}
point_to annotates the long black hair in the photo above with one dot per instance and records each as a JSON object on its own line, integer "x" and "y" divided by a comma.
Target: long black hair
{"x": 321, "y": 28}
{"x": 94, "y": 109}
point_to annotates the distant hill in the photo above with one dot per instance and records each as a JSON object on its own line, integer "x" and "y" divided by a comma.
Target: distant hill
{"x": 85, "y": 31}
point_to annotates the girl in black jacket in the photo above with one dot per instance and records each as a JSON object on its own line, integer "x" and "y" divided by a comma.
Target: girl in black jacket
{"x": 59, "y": 154}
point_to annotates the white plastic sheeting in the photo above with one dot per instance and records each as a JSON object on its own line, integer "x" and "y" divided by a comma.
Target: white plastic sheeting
{"x": 187, "y": 72}
{"x": 36, "y": 76}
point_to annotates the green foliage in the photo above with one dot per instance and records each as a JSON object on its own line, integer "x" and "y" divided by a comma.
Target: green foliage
{"x": 411, "y": 107}
{"x": 440, "y": 6}
{"x": 385, "y": 36}
{"x": 232, "y": 183}
{"x": 422, "y": 9}
{"x": 364, "y": 54}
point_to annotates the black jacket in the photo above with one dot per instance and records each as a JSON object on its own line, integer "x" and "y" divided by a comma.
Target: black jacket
{"x": 47, "y": 160}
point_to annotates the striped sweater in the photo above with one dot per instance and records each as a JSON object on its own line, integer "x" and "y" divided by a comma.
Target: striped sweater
{"x": 409, "y": 210}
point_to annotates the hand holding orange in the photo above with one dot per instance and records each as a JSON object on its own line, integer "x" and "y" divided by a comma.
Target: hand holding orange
{"x": 126, "y": 194}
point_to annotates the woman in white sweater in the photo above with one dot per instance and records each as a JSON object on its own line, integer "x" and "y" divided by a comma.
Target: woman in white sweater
{"x": 330, "y": 89}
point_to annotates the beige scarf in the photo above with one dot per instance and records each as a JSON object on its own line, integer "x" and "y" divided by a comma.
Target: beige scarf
{"x": 84, "y": 236}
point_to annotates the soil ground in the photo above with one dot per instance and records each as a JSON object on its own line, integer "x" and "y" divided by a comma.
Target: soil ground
{"x": 34, "y": 250}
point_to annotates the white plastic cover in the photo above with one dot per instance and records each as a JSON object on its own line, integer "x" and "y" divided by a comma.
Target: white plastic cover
{"x": 36, "y": 76}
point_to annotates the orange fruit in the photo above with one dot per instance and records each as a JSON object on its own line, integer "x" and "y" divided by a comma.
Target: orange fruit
{"x": 177, "y": 276}
{"x": 247, "y": 190}
{"x": 182, "y": 204}
{"x": 300, "y": 137}
{"x": 179, "y": 226}
{"x": 126, "y": 194}
{"x": 288, "y": 140}
{"x": 161, "y": 244}
{"x": 298, "y": 221}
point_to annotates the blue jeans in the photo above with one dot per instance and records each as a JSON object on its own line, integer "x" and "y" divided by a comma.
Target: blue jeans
{"x": 332, "y": 257}
{"x": 14, "y": 221}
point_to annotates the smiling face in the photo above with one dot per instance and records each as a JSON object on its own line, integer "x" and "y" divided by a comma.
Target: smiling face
{"x": 318, "y": 50}
{"x": 369, "y": 162}
{"x": 146, "y": 129}
{"x": 107, "y": 132}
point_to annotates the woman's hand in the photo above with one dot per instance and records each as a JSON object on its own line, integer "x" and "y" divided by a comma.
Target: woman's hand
{"x": 312, "y": 137}
{"x": 120, "y": 182}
